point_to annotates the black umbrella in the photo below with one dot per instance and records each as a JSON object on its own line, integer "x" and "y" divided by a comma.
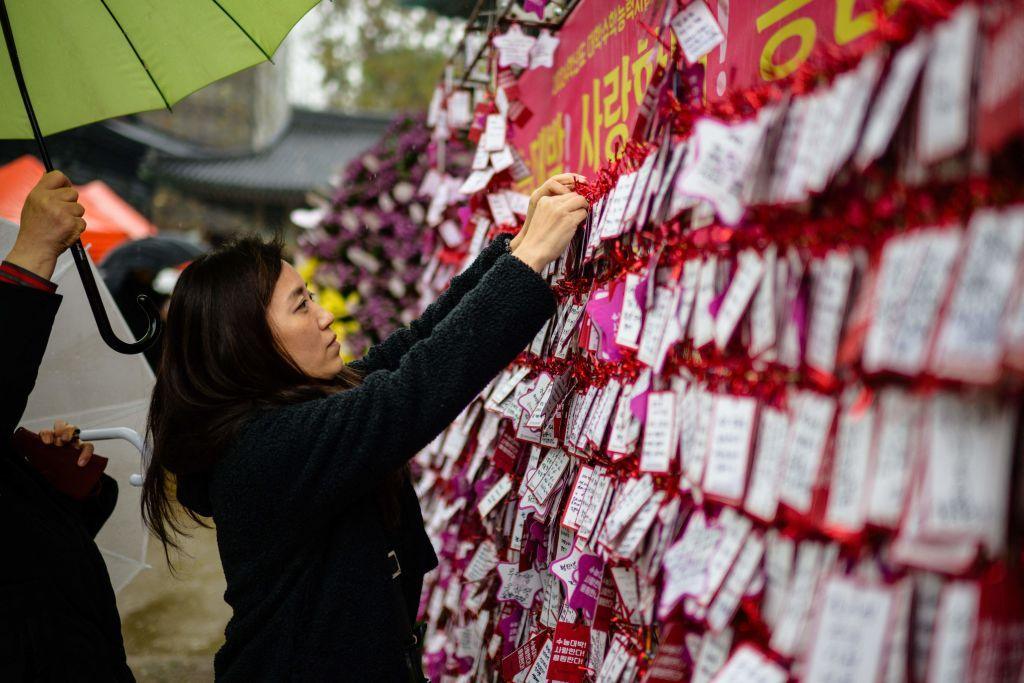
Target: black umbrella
{"x": 129, "y": 272}
{"x": 151, "y": 254}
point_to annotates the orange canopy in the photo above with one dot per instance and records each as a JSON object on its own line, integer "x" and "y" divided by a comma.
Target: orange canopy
{"x": 110, "y": 220}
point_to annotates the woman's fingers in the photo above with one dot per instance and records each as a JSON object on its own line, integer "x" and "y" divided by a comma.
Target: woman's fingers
{"x": 574, "y": 201}
{"x": 59, "y": 429}
{"x": 85, "y": 454}
{"x": 555, "y": 187}
{"x": 578, "y": 215}
{"x": 571, "y": 223}
{"x": 568, "y": 179}
{"x": 62, "y": 433}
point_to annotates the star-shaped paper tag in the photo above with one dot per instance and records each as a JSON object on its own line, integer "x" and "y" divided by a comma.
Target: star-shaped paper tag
{"x": 543, "y": 52}
{"x": 565, "y": 567}
{"x": 517, "y": 586}
{"x": 514, "y": 47}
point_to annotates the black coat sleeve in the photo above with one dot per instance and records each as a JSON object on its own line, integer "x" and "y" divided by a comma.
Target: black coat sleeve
{"x": 387, "y": 354}
{"x": 26, "y": 319}
{"x": 313, "y": 457}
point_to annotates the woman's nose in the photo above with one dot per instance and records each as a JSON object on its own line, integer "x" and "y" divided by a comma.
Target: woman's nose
{"x": 324, "y": 317}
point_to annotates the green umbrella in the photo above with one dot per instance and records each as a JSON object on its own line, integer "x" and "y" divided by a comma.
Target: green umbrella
{"x": 74, "y": 62}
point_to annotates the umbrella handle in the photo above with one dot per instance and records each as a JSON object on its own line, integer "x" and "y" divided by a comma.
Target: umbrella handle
{"x": 129, "y": 435}
{"x": 92, "y": 292}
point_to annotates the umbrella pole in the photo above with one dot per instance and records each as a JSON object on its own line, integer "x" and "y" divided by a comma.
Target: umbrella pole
{"x": 92, "y": 292}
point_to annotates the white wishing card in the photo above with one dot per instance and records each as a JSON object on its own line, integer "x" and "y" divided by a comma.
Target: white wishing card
{"x": 914, "y": 278}
{"x": 666, "y": 302}
{"x": 477, "y": 181}
{"x": 891, "y": 99}
{"x": 969, "y": 345}
{"x": 717, "y": 170}
{"x": 685, "y": 562}
{"x": 483, "y": 562}
{"x": 659, "y": 441}
{"x": 831, "y": 288}
{"x": 763, "y": 318}
{"x": 847, "y": 497}
{"x": 735, "y": 530}
{"x": 697, "y": 30}
{"x": 500, "y": 210}
{"x": 762, "y": 499}
{"x": 812, "y": 423}
{"x": 494, "y": 496}
{"x": 732, "y": 428}
{"x": 702, "y": 329}
{"x": 850, "y": 640}
{"x": 749, "y": 271}
{"x": 896, "y": 443}
{"x": 747, "y": 665}
{"x": 966, "y": 484}
{"x": 495, "y": 133}
{"x": 631, "y": 318}
{"x": 712, "y": 654}
{"x": 723, "y": 607}
{"x": 955, "y": 626}
{"x": 944, "y": 113}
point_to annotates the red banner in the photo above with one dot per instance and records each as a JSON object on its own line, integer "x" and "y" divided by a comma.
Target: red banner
{"x": 585, "y": 107}
{"x": 769, "y": 39}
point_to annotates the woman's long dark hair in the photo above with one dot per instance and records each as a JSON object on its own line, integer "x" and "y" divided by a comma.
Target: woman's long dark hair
{"x": 220, "y": 362}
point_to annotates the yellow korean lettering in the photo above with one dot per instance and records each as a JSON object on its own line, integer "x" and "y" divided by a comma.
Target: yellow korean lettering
{"x": 805, "y": 31}
{"x": 849, "y": 27}
{"x": 643, "y": 67}
{"x": 612, "y": 98}
{"x": 778, "y": 13}
{"x": 590, "y": 130}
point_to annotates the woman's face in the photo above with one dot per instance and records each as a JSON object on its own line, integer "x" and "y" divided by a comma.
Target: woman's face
{"x": 302, "y": 327}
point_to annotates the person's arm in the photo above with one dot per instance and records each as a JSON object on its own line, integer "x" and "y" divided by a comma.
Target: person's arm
{"x": 387, "y": 354}
{"x": 51, "y": 220}
{"x": 26, "y": 318}
{"x": 322, "y": 454}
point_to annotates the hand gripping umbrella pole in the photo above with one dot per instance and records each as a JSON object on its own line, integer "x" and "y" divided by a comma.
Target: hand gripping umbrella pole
{"x": 92, "y": 292}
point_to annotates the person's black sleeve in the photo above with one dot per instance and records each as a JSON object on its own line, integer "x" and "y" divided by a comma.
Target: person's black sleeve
{"x": 322, "y": 453}
{"x": 26, "y": 319}
{"x": 387, "y": 354}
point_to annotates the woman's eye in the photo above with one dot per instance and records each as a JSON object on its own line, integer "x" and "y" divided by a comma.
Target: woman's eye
{"x": 302, "y": 305}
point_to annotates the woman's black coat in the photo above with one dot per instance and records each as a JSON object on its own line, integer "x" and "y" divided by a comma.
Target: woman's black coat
{"x": 301, "y": 540}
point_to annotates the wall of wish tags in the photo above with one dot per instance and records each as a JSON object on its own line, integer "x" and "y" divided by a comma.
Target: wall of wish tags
{"x": 772, "y": 432}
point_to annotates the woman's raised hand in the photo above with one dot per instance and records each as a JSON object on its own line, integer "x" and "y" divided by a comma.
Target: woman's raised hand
{"x": 556, "y": 185}
{"x": 554, "y": 223}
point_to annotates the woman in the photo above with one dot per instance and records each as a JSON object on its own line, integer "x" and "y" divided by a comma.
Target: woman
{"x": 300, "y": 460}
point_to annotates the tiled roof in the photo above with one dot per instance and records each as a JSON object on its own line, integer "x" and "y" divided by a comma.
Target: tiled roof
{"x": 313, "y": 148}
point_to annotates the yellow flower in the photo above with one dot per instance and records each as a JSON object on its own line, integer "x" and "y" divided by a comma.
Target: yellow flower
{"x": 306, "y": 268}
{"x": 333, "y": 301}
